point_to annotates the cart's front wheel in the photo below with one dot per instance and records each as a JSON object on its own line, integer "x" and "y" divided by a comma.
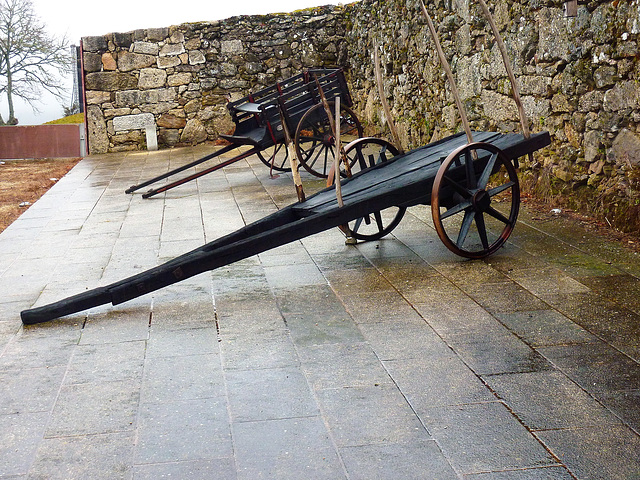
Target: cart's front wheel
{"x": 365, "y": 153}
{"x": 278, "y": 154}
{"x": 475, "y": 200}
{"x": 314, "y": 140}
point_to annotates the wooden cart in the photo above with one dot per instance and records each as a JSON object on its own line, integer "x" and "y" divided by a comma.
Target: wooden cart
{"x": 259, "y": 127}
{"x": 472, "y": 189}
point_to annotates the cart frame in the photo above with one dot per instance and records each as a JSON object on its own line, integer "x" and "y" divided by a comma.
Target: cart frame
{"x": 258, "y": 126}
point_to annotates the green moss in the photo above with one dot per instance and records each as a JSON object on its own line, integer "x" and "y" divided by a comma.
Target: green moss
{"x": 77, "y": 118}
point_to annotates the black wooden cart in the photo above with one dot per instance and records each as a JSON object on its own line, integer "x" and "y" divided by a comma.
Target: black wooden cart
{"x": 472, "y": 188}
{"x": 259, "y": 128}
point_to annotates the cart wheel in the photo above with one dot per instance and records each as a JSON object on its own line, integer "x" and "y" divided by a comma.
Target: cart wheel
{"x": 281, "y": 161}
{"x": 314, "y": 140}
{"x": 364, "y": 153}
{"x": 484, "y": 192}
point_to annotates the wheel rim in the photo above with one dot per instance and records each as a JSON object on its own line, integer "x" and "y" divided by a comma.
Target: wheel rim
{"x": 362, "y": 154}
{"x": 475, "y": 203}
{"x": 281, "y": 160}
{"x": 314, "y": 141}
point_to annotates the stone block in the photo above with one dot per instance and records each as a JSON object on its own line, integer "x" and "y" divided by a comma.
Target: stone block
{"x": 626, "y": 148}
{"x": 108, "y": 62}
{"x": 157, "y": 34}
{"x": 132, "y": 98}
{"x": 179, "y": 79}
{"x": 168, "y": 62}
{"x": 194, "y": 132}
{"x": 196, "y": 57}
{"x": 142, "y": 121}
{"x": 128, "y": 61}
{"x": 169, "y": 120}
{"x": 592, "y": 144}
{"x": 171, "y": 50}
{"x": 232, "y": 46}
{"x": 94, "y": 44}
{"x": 553, "y": 41}
{"x": 591, "y": 101}
{"x": 146, "y": 48}
{"x": 152, "y": 78}
{"x": 123, "y": 40}
{"x": 623, "y": 95}
{"x": 97, "y": 130}
{"x": 605, "y": 76}
{"x": 110, "y": 81}
{"x": 97, "y": 98}
{"x": 498, "y": 107}
{"x": 91, "y": 62}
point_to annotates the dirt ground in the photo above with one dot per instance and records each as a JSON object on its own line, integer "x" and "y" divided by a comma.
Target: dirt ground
{"x": 22, "y": 182}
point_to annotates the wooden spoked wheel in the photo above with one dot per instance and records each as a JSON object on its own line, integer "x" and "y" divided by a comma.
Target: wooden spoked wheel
{"x": 277, "y": 153}
{"x": 365, "y": 153}
{"x": 475, "y": 200}
{"x": 314, "y": 140}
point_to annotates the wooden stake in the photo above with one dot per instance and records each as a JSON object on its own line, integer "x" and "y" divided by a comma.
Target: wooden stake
{"x": 507, "y": 66}
{"x": 327, "y": 109}
{"x": 383, "y": 99}
{"x": 293, "y": 157}
{"x": 512, "y": 78}
{"x": 447, "y": 69}
{"x": 336, "y": 161}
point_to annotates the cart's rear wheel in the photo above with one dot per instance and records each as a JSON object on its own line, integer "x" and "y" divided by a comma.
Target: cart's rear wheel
{"x": 314, "y": 141}
{"x": 475, "y": 200}
{"x": 281, "y": 159}
{"x": 364, "y": 153}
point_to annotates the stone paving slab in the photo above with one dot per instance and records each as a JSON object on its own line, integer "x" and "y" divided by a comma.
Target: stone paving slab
{"x": 390, "y": 360}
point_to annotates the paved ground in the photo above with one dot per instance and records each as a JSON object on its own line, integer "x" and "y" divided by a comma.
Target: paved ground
{"x": 317, "y": 360}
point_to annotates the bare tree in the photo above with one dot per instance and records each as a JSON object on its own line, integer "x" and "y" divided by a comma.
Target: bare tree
{"x": 30, "y": 59}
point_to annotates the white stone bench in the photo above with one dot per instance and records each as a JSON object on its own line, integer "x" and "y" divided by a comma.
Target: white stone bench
{"x": 141, "y": 121}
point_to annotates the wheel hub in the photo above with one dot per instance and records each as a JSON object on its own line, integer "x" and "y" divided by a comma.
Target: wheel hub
{"x": 481, "y": 201}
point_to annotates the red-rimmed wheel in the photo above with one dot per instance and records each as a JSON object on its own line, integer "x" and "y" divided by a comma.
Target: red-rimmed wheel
{"x": 314, "y": 141}
{"x": 475, "y": 200}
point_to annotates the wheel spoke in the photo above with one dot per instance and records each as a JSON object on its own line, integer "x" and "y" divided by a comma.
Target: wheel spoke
{"x": 457, "y": 186}
{"x": 498, "y": 216}
{"x": 471, "y": 174}
{"x": 378, "y": 218}
{"x": 464, "y": 228}
{"x": 360, "y": 158}
{"x": 356, "y": 225}
{"x": 501, "y": 188}
{"x": 486, "y": 173}
{"x": 461, "y": 207}
{"x": 382, "y": 157}
{"x": 482, "y": 229}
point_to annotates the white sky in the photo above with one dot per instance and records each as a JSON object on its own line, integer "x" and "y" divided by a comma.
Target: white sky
{"x": 81, "y": 18}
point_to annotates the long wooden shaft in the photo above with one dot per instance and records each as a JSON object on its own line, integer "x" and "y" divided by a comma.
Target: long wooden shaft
{"x": 447, "y": 69}
{"x": 222, "y": 151}
{"x": 507, "y": 65}
{"x": 383, "y": 100}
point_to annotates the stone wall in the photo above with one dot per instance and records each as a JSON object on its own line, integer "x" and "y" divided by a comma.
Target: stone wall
{"x": 184, "y": 75}
{"x": 578, "y": 78}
